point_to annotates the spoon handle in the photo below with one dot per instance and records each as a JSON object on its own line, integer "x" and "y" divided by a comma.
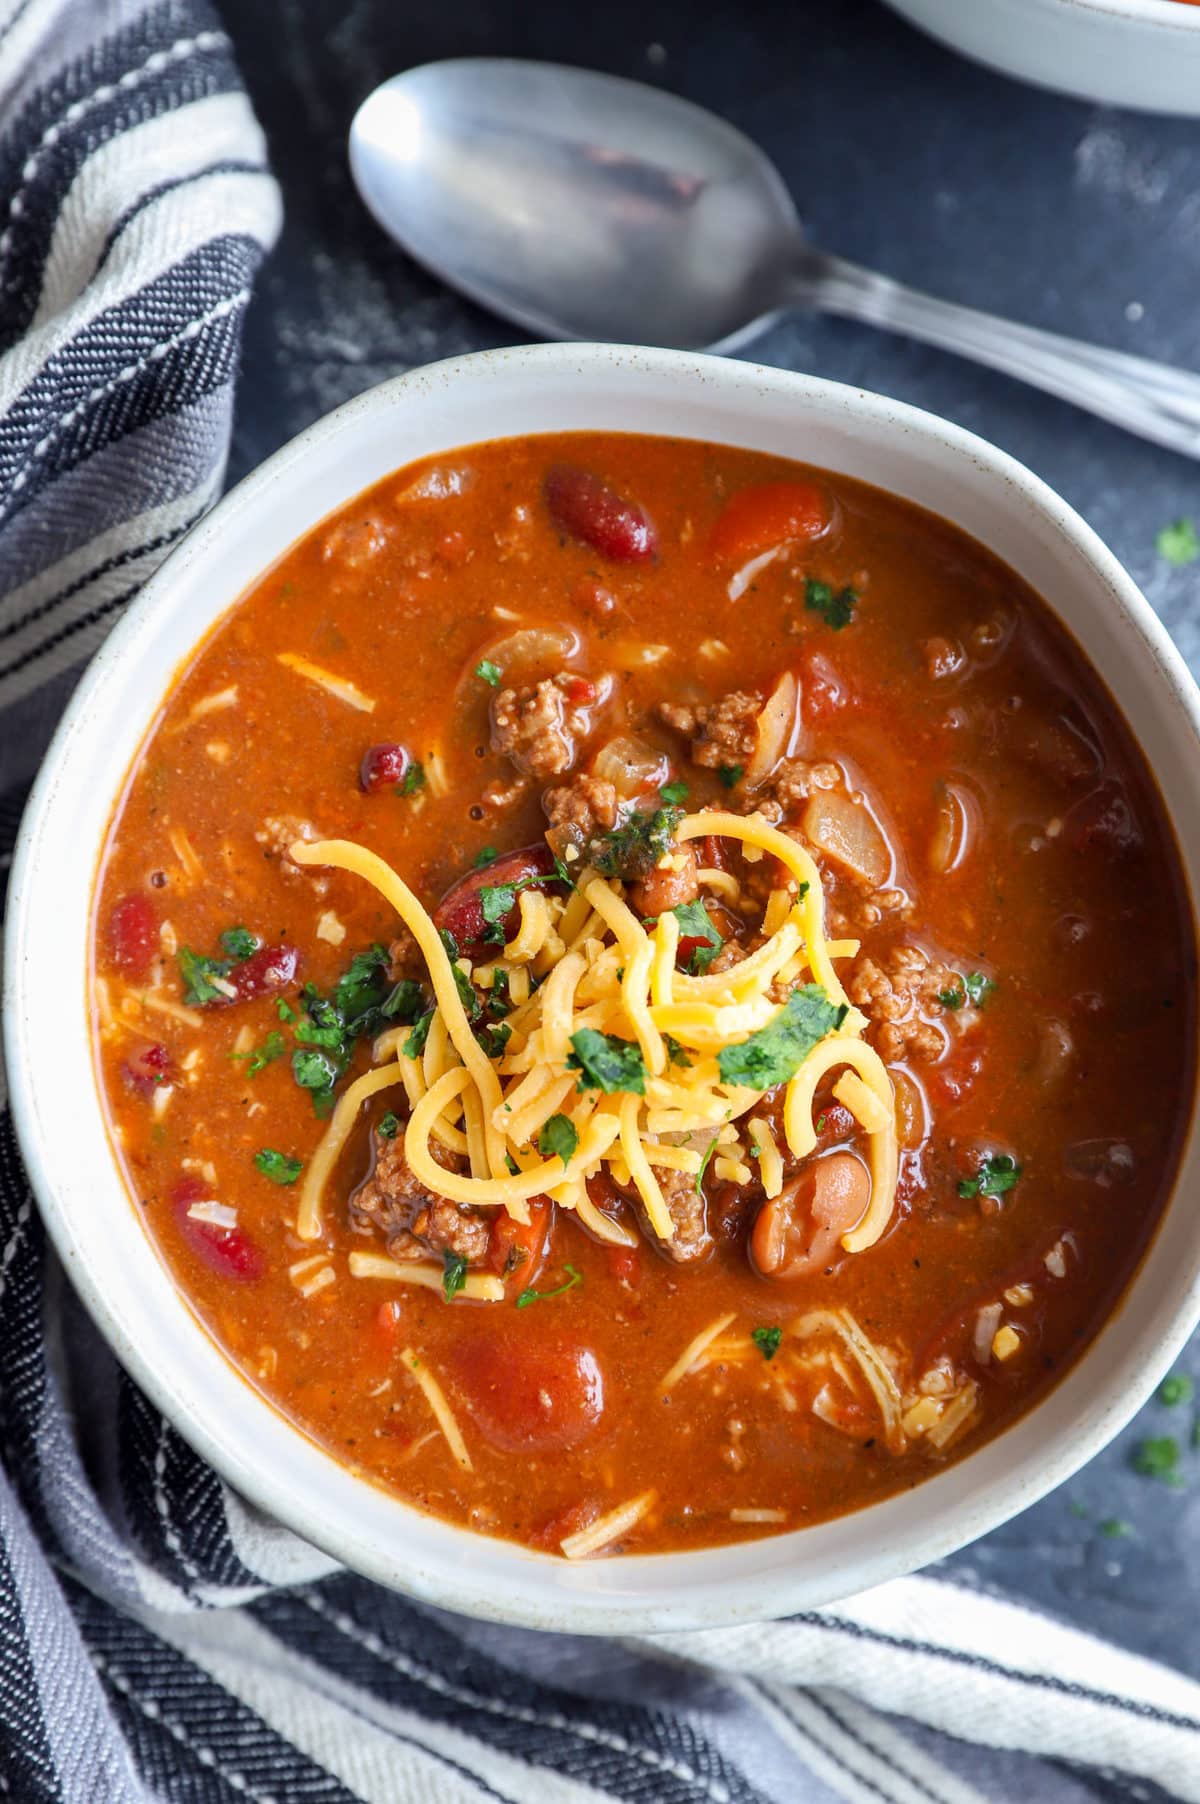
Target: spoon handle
{"x": 1155, "y": 400}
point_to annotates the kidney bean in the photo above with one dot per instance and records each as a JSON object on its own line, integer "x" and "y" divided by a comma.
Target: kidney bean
{"x": 230, "y": 1252}
{"x": 460, "y": 911}
{"x": 383, "y": 767}
{"x": 530, "y": 1397}
{"x": 586, "y": 508}
{"x": 266, "y": 971}
{"x": 148, "y": 1069}
{"x": 768, "y": 514}
{"x": 133, "y": 934}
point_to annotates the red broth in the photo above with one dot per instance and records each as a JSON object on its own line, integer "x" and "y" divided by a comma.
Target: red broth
{"x": 554, "y": 616}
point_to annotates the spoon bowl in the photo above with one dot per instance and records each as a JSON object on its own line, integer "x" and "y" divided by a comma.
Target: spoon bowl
{"x": 577, "y": 204}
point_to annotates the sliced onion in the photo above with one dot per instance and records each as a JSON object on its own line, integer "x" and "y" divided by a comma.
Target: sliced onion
{"x": 912, "y": 1111}
{"x": 849, "y": 835}
{"x": 539, "y": 650}
{"x": 986, "y": 1324}
{"x": 952, "y": 829}
{"x": 631, "y": 766}
{"x": 773, "y": 732}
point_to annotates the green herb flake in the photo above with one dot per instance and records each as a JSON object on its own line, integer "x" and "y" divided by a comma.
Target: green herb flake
{"x": 996, "y": 1177}
{"x": 709, "y": 1150}
{"x": 468, "y": 995}
{"x": 414, "y": 1046}
{"x": 494, "y": 1038}
{"x": 969, "y": 986}
{"x": 1078, "y": 1509}
{"x": 606, "y": 1063}
{"x": 776, "y": 1052}
{"x": 403, "y": 1001}
{"x": 497, "y": 900}
{"x": 674, "y": 793}
{"x": 284, "y": 1010}
{"x": 677, "y": 1054}
{"x": 389, "y": 1126}
{"x": 559, "y": 1137}
{"x": 277, "y": 1166}
{"x": 272, "y": 1048}
{"x": 485, "y": 856}
{"x": 1158, "y": 1458}
{"x": 1178, "y": 1388}
{"x": 1113, "y": 1528}
{"x": 543, "y": 1296}
{"x": 238, "y": 943}
{"x": 837, "y": 610}
{"x": 1179, "y": 543}
{"x": 695, "y": 923}
{"x": 454, "y": 1274}
{"x": 499, "y": 1001}
{"x": 489, "y": 673}
{"x": 767, "y": 1340}
{"x": 198, "y": 974}
{"x": 731, "y": 774}
{"x": 414, "y": 780}
{"x": 633, "y": 849}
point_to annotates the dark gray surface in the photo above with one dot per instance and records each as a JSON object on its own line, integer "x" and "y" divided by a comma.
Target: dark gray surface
{"x": 1081, "y": 219}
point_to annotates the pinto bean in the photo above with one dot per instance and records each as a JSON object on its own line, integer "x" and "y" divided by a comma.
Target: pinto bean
{"x": 797, "y": 1232}
{"x": 666, "y": 886}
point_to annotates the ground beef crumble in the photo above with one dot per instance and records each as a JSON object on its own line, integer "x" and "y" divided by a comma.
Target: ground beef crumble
{"x": 413, "y": 1221}
{"x": 540, "y": 727}
{"x": 723, "y": 732}
{"x": 579, "y": 811}
{"x": 898, "y": 992}
{"x": 687, "y": 1210}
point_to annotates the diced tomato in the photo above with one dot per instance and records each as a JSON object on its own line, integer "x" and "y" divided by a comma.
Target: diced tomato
{"x": 148, "y": 1069}
{"x": 270, "y": 969}
{"x": 956, "y": 1077}
{"x": 529, "y": 1396}
{"x": 387, "y": 1319}
{"x": 520, "y": 1247}
{"x": 551, "y": 1534}
{"x": 833, "y": 1122}
{"x": 460, "y": 911}
{"x": 586, "y": 508}
{"x": 689, "y": 945}
{"x": 579, "y": 690}
{"x": 821, "y": 690}
{"x": 712, "y": 853}
{"x": 769, "y": 514}
{"x": 229, "y": 1252}
{"x": 133, "y": 934}
{"x": 383, "y": 767}
{"x": 624, "y": 1263}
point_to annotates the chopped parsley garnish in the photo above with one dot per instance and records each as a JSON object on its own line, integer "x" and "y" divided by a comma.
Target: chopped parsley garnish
{"x": 1114, "y": 1529}
{"x": 284, "y": 1010}
{"x": 239, "y": 943}
{"x": 414, "y": 779}
{"x": 468, "y": 995}
{"x": 542, "y": 1296}
{"x": 497, "y": 901}
{"x": 359, "y": 992}
{"x": 674, "y": 793}
{"x": 676, "y": 1054}
{"x": 996, "y": 1177}
{"x": 1179, "y": 543}
{"x": 198, "y": 974}
{"x": 404, "y": 1001}
{"x": 494, "y": 1037}
{"x": 1178, "y": 1388}
{"x": 454, "y": 1274}
{"x": 414, "y": 1046}
{"x": 272, "y": 1048}
{"x": 634, "y": 848}
{"x": 389, "y": 1126}
{"x": 767, "y": 1340}
{"x": 837, "y": 610}
{"x": 317, "y": 1072}
{"x": 277, "y": 1166}
{"x": 971, "y": 986}
{"x": 776, "y": 1052}
{"x": 1158, "y": 1458}
{"x": 731, "y": 774}
{"x": 709, "y": 1150}
{"x": 607, "y": 1063}
{"x": 499, "y": 1002}
{"x": 559, "y": 1136}
{"x": 485, "y": 856}
{"x": 487, "y": 672}
{"x": 449, "y": 943}
{"x": 695, "y": 923}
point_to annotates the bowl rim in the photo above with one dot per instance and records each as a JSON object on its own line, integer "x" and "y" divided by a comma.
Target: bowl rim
{"x": 558, "y": 1595}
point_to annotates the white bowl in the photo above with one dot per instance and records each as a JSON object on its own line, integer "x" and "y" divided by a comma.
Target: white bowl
{"x": 120, "y": 1276}
{"x": 1139, "y": 53}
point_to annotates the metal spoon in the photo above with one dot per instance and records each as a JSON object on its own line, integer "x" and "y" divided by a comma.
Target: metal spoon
{"x": 583, "y": 206}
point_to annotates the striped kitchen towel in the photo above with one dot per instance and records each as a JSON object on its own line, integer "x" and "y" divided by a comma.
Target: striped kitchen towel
{"x": 158, "y": 1639}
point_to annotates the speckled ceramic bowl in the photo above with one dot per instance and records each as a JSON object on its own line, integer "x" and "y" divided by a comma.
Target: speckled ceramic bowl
{"x": 58, "y": 1111}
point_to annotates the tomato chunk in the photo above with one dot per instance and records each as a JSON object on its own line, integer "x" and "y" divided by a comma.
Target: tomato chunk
{"x": 527, "y": 1397}
{"x": 230, "y": 1252}
{"x": 519, "y": 1247}
{"x": 587, "y": 509}
{"x": 460, "y": 911}
{"x": 768, "y": 514}
{"x": 148, "y": 1069}
{"x": 133, "y": 934}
